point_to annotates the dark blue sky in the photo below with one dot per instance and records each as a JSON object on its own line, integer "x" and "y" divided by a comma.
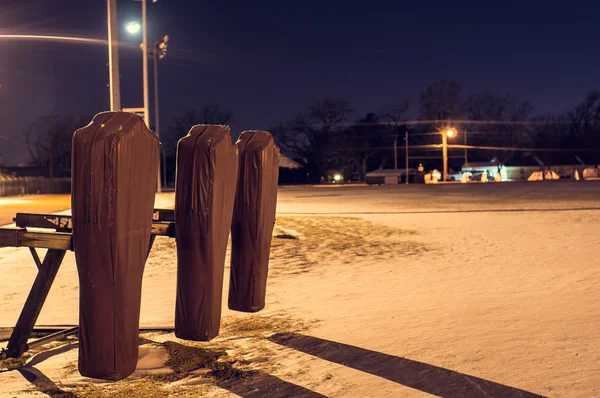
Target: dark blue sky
{"x": 267, "y": 60}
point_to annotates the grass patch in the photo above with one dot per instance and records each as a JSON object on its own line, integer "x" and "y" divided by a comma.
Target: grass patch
{"x": 322, "y": 240}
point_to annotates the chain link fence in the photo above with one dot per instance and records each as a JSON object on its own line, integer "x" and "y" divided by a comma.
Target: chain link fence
{"x": 15, "y": 186}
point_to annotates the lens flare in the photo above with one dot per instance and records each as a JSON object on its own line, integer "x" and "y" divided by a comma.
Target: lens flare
{"x": 55, "y": 38}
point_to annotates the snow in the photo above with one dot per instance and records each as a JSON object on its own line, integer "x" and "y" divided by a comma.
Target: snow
{"x": 498, "y": 282}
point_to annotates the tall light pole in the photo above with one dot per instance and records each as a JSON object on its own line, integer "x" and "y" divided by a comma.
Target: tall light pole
{"x": 466, "y": 155}
{"x": 406, "y": 155}
{"x": 448, "y": 133}
{"x": 145, "y": 51}
{"x": 395, "y": 156}
{"x": 113, "y": 56}
{"x": 145, "y": 61}
{"x": 159, "y": 52}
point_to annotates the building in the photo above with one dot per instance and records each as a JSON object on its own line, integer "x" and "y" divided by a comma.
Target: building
{"x": 288, "y": 163}
{"x": 523, "y": 167}
{"x": 393, "y": 176}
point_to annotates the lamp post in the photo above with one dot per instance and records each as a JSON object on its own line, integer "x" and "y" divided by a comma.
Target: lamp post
{"x": 406, "y": 155}
{"x": 133, "y": 27}
{"x": 466, "y": 154}
{"x": 145, "y": 63}
{"x": 448, "y": 133}
{"x": 113, "y": 57}
{"x": 145, "y": 59}
{"x": 159, "y": 52}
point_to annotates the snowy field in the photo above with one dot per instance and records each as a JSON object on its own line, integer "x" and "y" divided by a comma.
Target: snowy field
{"x": 406, "y": 291}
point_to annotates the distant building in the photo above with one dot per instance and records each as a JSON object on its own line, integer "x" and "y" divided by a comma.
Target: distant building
{"x": 288, "y": 163}
{"x": 291, "y": 172}
{"x": 524, "y": 168}
{"x": 393, "y": 176}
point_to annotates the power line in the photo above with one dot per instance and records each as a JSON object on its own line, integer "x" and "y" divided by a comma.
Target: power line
{"x": 445, "y": 123}
{"x": 492, "y": 148}
{"x": 483, "y": 148}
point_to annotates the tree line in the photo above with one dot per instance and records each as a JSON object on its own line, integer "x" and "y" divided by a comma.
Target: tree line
{"x": 331, "y": 135}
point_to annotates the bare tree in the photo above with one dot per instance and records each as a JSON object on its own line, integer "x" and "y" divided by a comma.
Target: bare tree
{"x": 314, "y": 136}
{"x": 441, "y": 102}
{"x": 395, "y": 113}
{"x": 584, "y": 129}
{"x": 503, "y": 122}
{"x": 210, "y": 114}
{"x": 394, "y": 116}
{"x": 49, "y": 141}
{"x": 365, "y": 143}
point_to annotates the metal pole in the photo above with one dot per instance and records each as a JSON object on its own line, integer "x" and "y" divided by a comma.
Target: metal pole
{"x": 406, "y": 144}
{"x": 164, "y": 168}
{"x": 113, "y": 56}
{"x": 156, "y": 120}
{"x": 145, "y": 61}
{"x": 395, "y": 156}
{"x": 466, "y": 158}
{"x": 445, "y": 154}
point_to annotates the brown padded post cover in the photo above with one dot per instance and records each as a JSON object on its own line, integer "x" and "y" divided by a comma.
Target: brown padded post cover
{"x": 204, "y": 194}
{"x": 115, "y": 162}
{"x": 253, "y": 220}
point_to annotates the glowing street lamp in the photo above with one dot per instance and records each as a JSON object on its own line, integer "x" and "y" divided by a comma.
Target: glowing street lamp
{"x": 449, "y": 132}
{"x": 133, "y": 27}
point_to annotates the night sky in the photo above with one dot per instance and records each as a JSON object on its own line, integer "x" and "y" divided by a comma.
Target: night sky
{"x": 267, "y": 60}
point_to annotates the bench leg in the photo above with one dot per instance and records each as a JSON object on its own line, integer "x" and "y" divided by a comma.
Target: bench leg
{"x": 152, "y": 238}
{"x": 17, "y": 344}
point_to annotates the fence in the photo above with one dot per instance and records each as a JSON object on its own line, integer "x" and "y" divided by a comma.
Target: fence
{"x": 14, "y": 186}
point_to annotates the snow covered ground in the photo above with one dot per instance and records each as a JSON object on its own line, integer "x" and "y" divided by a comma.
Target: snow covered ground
{"x": 450, "y": 290}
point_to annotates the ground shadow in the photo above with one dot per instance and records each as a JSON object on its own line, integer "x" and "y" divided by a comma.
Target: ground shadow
{"x": 44, "y": 355}
{"x": 258, "y": 384}
{"x": 418, "y": 375}
{"x": 42, "y": 383}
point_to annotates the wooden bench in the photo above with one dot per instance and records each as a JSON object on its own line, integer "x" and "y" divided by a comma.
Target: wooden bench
{"x": 58, "y": 239}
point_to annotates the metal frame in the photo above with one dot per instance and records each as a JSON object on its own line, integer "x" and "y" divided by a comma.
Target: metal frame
{"x": 58, "y": 242}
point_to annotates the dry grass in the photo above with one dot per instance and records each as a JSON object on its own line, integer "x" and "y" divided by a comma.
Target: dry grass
{"x": 240, "y": 352}
{"x": 13, "y": 363}
{"x": 146, "y": 387}
{"x": 261, "y": 326}
{"x": 302, "y": 243}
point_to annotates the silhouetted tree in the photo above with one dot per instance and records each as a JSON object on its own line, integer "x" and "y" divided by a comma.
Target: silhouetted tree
{"x": 49, "y": 141}
{"x": 584, "y": 123}
{"x": 395, "y": 117}
{"x": 441, "y": 102}
{"x": 314, "y": 136}
{"x": 210, "y": 114}
{"x": 364, "y": 142}
{"x": 503, "y": 122}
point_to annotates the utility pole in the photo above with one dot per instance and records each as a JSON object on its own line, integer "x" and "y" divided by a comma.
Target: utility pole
{"x": 445, "y": 155}
{"x": 466, "y": 158}
{"x": 406, "y": 146}
{"x": 395, "y": 156}
{"x": 156, "y": 121}
{"x": 159, "y": 52}
{"x": 164, "y": 167}
{"x": 145, "y": 62}
{"x": 113, "y": 56}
